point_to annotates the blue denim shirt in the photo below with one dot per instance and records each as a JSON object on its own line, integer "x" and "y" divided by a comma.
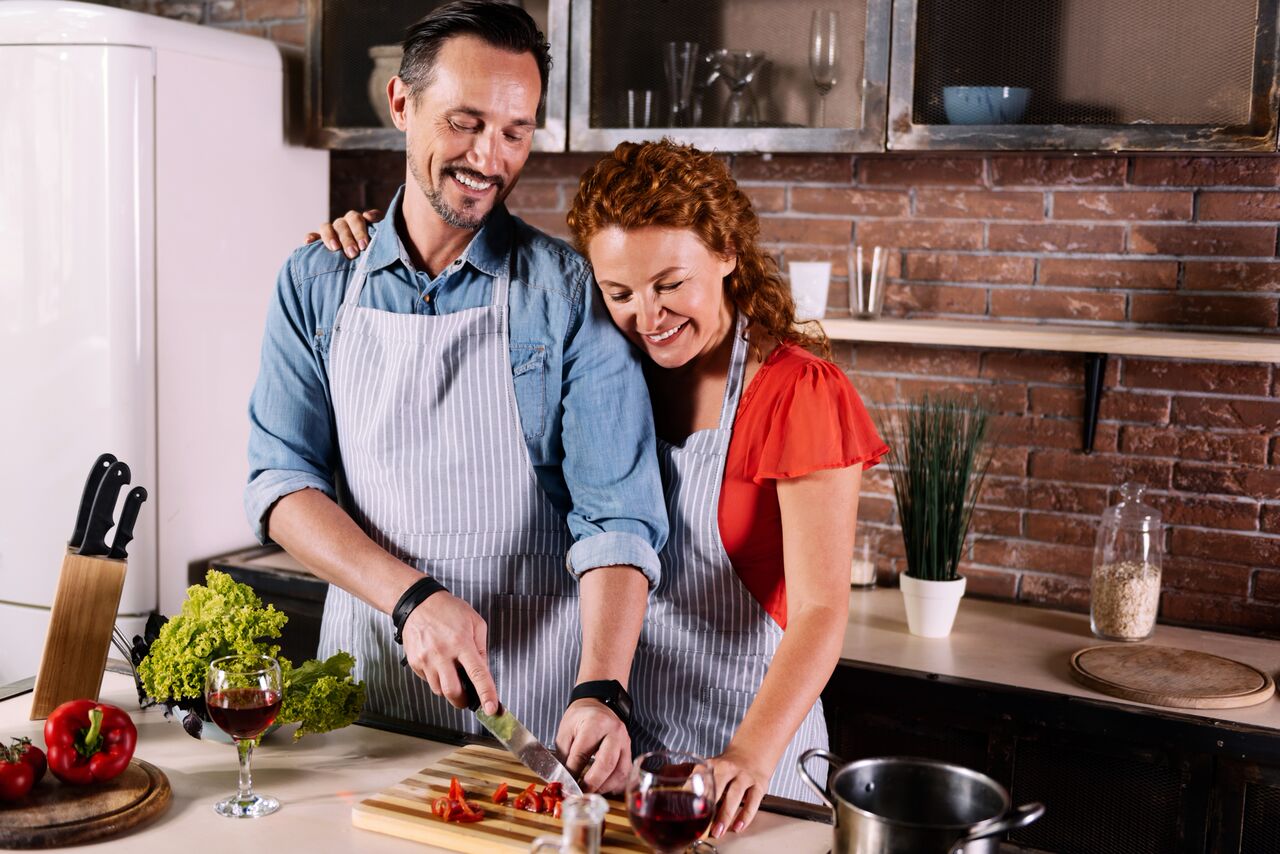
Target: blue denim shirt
{"x": 582, "y": 399}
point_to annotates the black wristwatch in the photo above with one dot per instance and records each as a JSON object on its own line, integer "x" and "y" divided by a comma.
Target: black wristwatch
{"x": 608, "y": 691}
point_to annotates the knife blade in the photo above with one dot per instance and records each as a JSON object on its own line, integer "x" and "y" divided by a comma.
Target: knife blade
{"x": 524, "y": 745}
{"x": 128, "y": 516}
{"x": 100, "y": 466}
{"x": 102, "y": 513}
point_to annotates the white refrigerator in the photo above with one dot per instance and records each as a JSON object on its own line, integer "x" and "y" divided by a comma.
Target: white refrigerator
{"x": 148, "y": 198}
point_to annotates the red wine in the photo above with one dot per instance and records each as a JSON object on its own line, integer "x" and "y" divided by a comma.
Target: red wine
{"x": 244, "y": 712}
{"x": 670, "y": 820}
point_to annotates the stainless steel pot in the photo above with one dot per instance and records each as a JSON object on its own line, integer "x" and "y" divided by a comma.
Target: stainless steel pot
{"x": 903, "y": 805}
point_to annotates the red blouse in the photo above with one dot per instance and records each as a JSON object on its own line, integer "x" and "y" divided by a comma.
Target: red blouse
{"x": 799, "y": 415}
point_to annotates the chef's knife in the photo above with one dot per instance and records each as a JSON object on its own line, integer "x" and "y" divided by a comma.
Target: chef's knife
{"x": 128, "y": 516}
{"x": 102, "y": 514}
{"x": 515, "y": 737}
{"x": 100, "y": 466}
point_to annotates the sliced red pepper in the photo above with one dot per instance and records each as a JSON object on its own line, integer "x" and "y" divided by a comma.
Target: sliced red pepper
{"x": 88, "y": 741}
{"x": 553, "y": 790}
{"x": 455, "y": 790}
{"x": 529, "y": 800}
{"x": 556, "y": 811}
{"x": 440, "y": 806}
{"x": 500, "y": 794}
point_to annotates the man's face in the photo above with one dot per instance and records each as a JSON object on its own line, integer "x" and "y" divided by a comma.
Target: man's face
{"x": 468, "y": 133}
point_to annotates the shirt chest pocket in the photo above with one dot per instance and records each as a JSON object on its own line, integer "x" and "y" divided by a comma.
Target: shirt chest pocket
{"x": 529, "y": 376}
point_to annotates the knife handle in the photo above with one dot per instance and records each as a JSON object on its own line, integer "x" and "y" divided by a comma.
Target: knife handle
{"x": 103, "y": 514}
{"x": 100, "y": 466}
{"x": 128, "y": 516}
{"x": 473, "y": 699}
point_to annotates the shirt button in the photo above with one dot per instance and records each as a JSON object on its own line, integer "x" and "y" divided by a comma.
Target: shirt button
{"x": 426, "y": 297}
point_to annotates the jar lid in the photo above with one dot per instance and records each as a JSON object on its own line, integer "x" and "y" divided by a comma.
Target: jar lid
{"x": 1131, "y": 512}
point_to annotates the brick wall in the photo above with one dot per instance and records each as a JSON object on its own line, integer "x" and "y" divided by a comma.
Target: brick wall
{"x": 1155, "y": 241}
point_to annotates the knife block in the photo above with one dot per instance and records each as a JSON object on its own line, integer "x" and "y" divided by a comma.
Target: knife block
{"x": 80, "y": 624}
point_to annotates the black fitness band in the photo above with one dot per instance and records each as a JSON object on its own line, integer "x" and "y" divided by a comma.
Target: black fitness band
{"x": 609, "y": 692}
{"x": 417, "y": 593}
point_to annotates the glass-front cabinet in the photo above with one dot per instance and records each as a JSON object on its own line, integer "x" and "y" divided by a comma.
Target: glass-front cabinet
{"x": 730, "y": 75}
{"x": 1084, "y": 74}
{"x": 850, "y": 75}
{"x": 353, "y": 49}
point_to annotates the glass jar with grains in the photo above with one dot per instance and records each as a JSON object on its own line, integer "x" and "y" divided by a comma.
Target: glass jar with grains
{"x": 1125, "y": 594}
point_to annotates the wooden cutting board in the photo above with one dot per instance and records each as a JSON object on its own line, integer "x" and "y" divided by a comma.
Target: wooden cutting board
{"x": 55, "y": 814}
{"x": 1167, "y": 676}
{"x": 405, "y": 808}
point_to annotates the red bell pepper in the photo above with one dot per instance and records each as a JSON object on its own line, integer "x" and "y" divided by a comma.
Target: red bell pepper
{"x": 500, "y": 794}
{"x": 529, "y": 800}
{"x": 88, "y": 742}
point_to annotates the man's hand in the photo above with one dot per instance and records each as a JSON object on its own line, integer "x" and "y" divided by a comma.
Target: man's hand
{"x": 444, "y": 634}
{"x": 594, "y": 738}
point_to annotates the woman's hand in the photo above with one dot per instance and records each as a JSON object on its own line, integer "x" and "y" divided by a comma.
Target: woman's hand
{"x": 348, "y": 232}
{"x": 740, "y": 788}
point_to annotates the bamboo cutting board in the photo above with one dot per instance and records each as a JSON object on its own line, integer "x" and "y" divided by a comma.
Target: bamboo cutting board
{"x": 405, "y": 809}
{"x": 1167, "y": 676}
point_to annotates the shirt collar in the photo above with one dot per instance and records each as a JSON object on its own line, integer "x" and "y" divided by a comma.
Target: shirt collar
{"x": 488, "y": 251}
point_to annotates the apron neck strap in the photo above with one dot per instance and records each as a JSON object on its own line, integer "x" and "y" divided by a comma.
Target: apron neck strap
{"x": 737, "y": 372}
{"x": 356, "y": 283}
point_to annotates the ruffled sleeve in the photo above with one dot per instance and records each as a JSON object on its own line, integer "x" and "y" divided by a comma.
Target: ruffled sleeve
{"x": 808, "y": 417}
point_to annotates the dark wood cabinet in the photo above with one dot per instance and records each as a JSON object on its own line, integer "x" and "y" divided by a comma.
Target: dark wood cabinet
{"x": 1116, "y": 779}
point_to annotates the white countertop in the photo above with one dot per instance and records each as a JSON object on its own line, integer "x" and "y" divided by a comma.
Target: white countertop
{"x": 317, "y": 780}
{"x": 1026, "y": 647}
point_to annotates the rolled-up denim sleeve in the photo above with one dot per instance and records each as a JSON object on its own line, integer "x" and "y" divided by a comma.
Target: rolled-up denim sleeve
{"x": 291, "y": 435}
{"x": 618, "y": 516}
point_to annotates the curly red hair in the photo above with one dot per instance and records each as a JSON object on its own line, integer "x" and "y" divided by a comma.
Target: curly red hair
{"x": 677, "y": 186}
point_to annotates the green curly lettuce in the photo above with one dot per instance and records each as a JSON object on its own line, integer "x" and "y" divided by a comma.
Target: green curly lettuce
{"x": 221, "y": 617}
{"x": 321, "y": 695}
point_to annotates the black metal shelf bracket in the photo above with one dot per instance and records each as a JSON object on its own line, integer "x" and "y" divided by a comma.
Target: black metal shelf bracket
{"x": 1095, "y": 370}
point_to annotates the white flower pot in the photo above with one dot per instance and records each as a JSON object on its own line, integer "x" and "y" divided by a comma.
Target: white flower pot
{"x": 931, "y": 605}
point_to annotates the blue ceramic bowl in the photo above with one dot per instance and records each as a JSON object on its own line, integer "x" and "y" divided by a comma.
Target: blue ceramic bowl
{"x": 985, "y": 105}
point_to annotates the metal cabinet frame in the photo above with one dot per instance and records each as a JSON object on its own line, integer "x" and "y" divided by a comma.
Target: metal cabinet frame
{"x": 869, "y": 137}
{"x": 906, "y": 135}
{"x": 551, "y": 136}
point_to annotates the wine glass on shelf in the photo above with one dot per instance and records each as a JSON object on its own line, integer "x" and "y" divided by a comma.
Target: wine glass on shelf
{"x": 824, "y": 56}
{"x": 671, "y": 797}
{"x": 243, "y": 694}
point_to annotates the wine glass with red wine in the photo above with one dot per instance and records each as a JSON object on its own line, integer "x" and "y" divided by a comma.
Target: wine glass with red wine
{"x": 243, "y": 694}
{"x": 671, "y": 798}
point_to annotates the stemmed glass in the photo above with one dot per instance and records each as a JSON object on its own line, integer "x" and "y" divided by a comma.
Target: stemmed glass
{"x": 243, "y": 694}
{"x": 824, "y": 56}
{"x": 671, "y": 798}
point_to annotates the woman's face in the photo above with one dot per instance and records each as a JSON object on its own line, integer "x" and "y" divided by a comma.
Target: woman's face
{"x": 664, "y": 289}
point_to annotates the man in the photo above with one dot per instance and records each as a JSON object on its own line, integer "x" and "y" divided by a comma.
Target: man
{"x": 429, "y": 415}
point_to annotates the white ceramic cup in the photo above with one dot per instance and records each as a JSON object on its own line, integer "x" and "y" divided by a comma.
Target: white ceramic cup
{"x": 810, "y": 281}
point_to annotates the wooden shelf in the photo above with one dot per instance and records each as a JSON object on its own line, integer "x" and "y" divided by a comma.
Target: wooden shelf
{"x": 1225, "y": 347}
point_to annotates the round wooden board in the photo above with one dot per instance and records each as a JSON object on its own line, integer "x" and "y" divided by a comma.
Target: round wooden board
{"x": 55, "y": 814}
{"x": 1167, "y": 676}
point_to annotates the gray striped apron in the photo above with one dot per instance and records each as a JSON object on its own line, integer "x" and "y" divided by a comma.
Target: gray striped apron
{"x": 438, "y": 473}
{"x": 707, "y": 642}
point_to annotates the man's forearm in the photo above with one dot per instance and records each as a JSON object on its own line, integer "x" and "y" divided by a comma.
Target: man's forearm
{"x": 613, "y": 601}
{"x": 329, "y": 543}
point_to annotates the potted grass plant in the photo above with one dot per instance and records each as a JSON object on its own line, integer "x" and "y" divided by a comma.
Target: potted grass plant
{"x": 939, "y": 452}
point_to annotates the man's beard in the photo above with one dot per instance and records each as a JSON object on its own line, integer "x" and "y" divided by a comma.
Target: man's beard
{"x": 449, "y": 215}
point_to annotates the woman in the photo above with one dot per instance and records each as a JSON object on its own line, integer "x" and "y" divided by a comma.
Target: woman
{"x": 762, "y": 444}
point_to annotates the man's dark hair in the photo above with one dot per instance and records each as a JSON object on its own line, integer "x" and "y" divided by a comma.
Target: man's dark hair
{"x": 499, "y": 23}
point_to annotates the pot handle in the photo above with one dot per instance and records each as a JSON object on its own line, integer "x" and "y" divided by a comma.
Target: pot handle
{"x": 1019, "y": 817}
{"x": 804, "y": 773}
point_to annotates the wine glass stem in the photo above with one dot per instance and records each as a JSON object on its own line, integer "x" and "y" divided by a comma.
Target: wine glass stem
{"x": 822, "y": 109}
{"x": 245, "y": 748}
